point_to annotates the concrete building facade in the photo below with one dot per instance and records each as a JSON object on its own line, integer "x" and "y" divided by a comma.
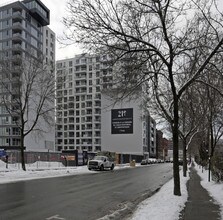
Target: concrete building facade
{"x": 78, "y": 104}
{"x": 126, "y": 127}
{"x": 84, "y": 112}
{"x": 23, "y": 26}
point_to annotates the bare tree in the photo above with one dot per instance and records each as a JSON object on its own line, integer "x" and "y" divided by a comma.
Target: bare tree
{"x": 192, "y": 111}
{"x": 161, "y": 36}
{"x": 27, "y": 94}
{"x": 214, "y": 115}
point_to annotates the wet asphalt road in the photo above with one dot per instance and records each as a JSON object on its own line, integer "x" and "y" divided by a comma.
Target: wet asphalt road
{"x": 80, "y": 197}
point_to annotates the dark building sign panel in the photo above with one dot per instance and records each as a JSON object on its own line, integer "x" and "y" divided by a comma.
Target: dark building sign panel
{"x": 122, "y": 121}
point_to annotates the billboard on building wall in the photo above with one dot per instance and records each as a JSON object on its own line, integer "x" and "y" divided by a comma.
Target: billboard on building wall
{"x": 122, "y": 121}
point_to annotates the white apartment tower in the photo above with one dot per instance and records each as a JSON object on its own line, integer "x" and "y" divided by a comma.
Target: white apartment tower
{"x": 23, "y": 33}
{"x": 86, "y": 116}
{"x": 78, "y": 104}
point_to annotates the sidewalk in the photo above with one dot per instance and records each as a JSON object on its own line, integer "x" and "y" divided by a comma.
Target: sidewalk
{"x": 199, "y": 205}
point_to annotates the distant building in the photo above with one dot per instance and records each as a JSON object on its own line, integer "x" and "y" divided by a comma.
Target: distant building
{"x": 162, "y": 145}
{"x": 152, "y": 137}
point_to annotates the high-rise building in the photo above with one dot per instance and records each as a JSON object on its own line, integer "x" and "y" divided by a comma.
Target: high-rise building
{"x": 84, "y": 112}
{"x": 23, "y": 33}
{"x": 78, "y": 104}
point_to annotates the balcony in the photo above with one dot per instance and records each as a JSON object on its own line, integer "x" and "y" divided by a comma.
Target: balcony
{"x": 97, "y": 113}
{"x": 17, "y": 14}
{"x": 40, "y": 12}
{"x": 17, "y": 25}
{"x": 17, "y": 46}
{"x": 16, "y": 35}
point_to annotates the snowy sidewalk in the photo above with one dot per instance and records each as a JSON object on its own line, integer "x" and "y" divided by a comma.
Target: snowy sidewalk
{"x": 200, "y": 204}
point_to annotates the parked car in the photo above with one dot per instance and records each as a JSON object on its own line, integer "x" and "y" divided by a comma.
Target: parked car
{"x": 153, "y": 160}
{"x": 100, "y": 163}
{"x": 144, "y": 162}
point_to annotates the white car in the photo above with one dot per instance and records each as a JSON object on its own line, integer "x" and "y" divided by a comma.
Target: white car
{"x": 100, "y": 163}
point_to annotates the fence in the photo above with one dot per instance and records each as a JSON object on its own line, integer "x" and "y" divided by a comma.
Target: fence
{"x": 32, "y": 157}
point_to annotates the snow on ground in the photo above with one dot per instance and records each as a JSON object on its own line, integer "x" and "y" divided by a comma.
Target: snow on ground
{"x": 39, "y": 170}
{"x": 162, "y": 205}
{"x": 214, "y": 189}
{"x": 172, "y": 205}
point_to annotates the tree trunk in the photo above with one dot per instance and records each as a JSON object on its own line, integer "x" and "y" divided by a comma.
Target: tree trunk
{"x": 22, "y": 152}
{"x": 184, "y": 157}
{"x": 176, "y": 175}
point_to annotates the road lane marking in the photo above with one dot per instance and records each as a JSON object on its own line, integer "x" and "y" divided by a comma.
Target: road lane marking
{"x": 55, "y": 217}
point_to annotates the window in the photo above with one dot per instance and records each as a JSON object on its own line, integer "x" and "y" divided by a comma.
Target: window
{"x": 71, "y": 127}
{"x": 83, "y": 60}
{"x": 5, "y": 120}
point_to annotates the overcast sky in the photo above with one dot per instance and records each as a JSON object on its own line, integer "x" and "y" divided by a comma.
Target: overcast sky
{"x": 57, "y": 12}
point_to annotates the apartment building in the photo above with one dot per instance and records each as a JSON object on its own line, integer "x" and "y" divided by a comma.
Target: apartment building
{"x": 78, "y": 104}
{"x": 84, "y": 111}
{"x": 23, "y": 33}
{"x": 152, "y": 137}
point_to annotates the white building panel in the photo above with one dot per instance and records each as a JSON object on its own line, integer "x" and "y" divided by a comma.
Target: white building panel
{"x": 124, "y": 140}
